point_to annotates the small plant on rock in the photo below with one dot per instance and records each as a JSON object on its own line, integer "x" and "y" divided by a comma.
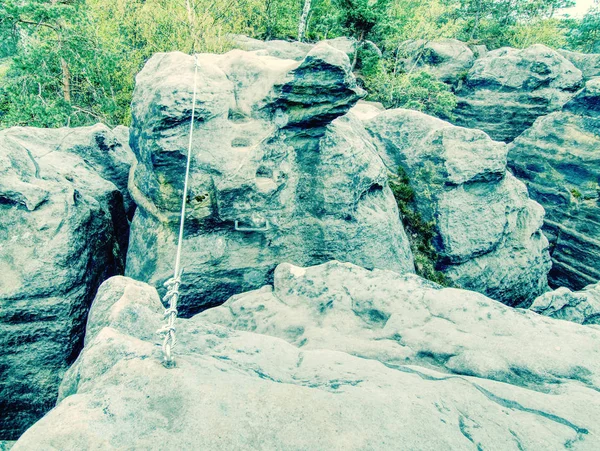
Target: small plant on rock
{"x": 420, "y": 232}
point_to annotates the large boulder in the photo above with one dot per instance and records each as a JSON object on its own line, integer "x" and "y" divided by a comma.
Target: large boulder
{"x": 448, "y": 60}
{"x": 64, "y": 230}
{"x": 587, "y": 101}
{"x": 582, "y": 307}
{"x": 332, "y": 357}
{"x": 487, "y": 232}
{"x": 587, "y": 63}
{"x": 558, "y": 158}
{"x": 273, "y": 176}
{"x": 508, "y": 89}
{"x": 293, "y": 50}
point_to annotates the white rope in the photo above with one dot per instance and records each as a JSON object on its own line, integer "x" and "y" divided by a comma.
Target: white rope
{"x": 172, "y": 285}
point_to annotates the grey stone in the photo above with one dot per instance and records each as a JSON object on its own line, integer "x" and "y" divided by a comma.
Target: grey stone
{"x": 63, "y": 231}
{"x": 293, "y": 50}
{"x": 582, "y": 307}
{"x": 587, "y": 101}
{"x": 333, "y": 357}
{"x": 479, "y": 51}
{"x": 277, "y": 48}
{"x": 487, "y": 231}
{"x": 508, "y": 89}
{"x": 448, "y": 60}
{"x": 265, "y": 152}
{"x": 559, "y": 161}
{"x": 587, "y": 63}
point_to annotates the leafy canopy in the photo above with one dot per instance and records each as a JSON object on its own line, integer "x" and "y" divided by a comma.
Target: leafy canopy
{"x": 73, "y": 62}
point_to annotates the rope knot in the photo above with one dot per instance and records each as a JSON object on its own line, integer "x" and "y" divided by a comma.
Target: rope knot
{"x": 170, "y": 311}
{"x": 170, "y": 314}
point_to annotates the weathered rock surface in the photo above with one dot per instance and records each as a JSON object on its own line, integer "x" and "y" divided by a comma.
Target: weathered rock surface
{"x": 64, "y": 230}
{"x": 333, "y": 357}
{"x": 582, "y": 307}
{"x": 293, "y": 50}
{"x": 558, "y": 158}
{"x": 487, "y": 231}
{"x": 587, "y": 101}
{"x": 587, "y": 63}
{"x": 448, "y": 60}
{"x": 508, "y": 89}
{"x": 266, "y": 156}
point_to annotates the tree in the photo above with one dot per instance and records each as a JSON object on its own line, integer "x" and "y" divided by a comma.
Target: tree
{"x": 360, "y": 16}
{"x": 494, "y": 22}
{"x": 75, "y": 60}
{"x": 303, "y": 20}
{"x": 31, "y": 19}
{"x": 586, "y": 35}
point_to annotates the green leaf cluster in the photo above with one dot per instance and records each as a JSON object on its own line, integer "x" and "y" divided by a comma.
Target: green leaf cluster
{"x": 418, "y": 90}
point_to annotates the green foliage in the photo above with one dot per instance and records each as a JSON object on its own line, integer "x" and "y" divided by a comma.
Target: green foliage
{"x": 325, "y": 21}
{"x": 42, "y": 84}
{"x": 417, "y": 90}
{"x": 576, "y": 193}
{"x": 360, "y": 16}
{"x": 550, "y": 32}
{"x": 420, "y": 233}
{"x": 416, "y": 19}
{"x": 586, "y": 34}
{"x": 497, "y": 23}
{"x": 267, "y": 19}
{"x": 73, "y": 62}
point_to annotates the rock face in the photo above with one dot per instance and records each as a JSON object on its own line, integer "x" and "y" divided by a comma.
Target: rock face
{"x": 64, "y": 230}
{"x": 587, "y": 101}
{"x": 291, "y": 50}
{"x": 581, "y": 307}
{"x": 448, "y": 60}
{"x": 559, "y": 161}
{"x": 333, "y": 357}
{"x": 587, "y": 63}
{"x": 487, "y": 231}
{"x": 272, "y": 178}
{"x": 508, "y": 89}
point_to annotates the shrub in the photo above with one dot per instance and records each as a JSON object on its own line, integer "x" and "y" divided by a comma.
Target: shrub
{"x": 417, "y": 91}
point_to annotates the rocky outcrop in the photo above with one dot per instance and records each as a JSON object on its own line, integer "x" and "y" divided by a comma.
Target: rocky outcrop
{"x": 558, "y": 160}
{"x": 487, "y": 232}
{"x": 508, "y": 89}
{"x": 448, "y": 60}
{"x": 587, "y": 101}
{"x": 582, "y": 307}
{"x": 587, "y": 63}
{"x": 64, "y": 231}
{"x": 332, "y": 357}
{"x": 272, "y": 178}
{"x": 293, "y": 50}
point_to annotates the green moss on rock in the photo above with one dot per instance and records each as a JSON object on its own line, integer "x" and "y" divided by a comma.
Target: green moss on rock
{"x": 420, "y": 232}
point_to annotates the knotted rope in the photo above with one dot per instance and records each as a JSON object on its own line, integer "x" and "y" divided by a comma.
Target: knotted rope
{"x": 172, "y": 285}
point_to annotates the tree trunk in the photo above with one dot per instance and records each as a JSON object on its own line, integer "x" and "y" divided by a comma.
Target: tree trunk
{"x": 303, "y": 20}
{"x": 66, "y": 80}
{"x": 191, "y": 24}
{"x": 477, "y": 18}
